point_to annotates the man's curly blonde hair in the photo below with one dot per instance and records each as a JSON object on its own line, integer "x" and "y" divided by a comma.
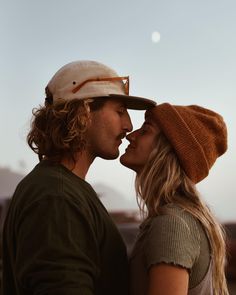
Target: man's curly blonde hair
{"x": 58, "y": 129}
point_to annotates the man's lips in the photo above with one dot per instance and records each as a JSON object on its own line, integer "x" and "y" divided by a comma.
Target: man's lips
{"x": 120, "y": 137}
{"x": 119, "y": 141}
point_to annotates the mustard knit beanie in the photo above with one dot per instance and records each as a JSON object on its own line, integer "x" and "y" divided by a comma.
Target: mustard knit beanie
{"x": 198, "y": 136}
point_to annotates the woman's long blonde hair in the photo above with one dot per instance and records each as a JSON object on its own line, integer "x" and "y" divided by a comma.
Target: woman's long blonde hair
{"x": 163, "y": 181}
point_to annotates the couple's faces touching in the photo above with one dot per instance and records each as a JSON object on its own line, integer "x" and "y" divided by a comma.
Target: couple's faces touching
{"x": 141, "y": 143}
{"x": 110, "y": 124}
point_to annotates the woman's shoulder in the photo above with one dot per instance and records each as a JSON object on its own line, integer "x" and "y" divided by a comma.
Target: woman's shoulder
{"x": 170, "y": 214}
{"x": 175, "y": 213}
{"x": 175, "y": 222}
{"x": 173, "y": 237}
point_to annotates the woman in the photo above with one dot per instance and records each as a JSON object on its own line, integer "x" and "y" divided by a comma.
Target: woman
{"x": 180, "y": 248}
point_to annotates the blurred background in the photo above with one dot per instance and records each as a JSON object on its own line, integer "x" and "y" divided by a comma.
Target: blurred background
{"x": 181, "y": 51}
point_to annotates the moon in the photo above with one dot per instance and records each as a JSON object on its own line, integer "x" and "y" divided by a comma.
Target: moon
{"x": 156, "y": 36}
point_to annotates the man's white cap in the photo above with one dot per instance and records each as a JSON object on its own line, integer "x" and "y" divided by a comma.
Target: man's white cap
{"x": 91, "y": 79}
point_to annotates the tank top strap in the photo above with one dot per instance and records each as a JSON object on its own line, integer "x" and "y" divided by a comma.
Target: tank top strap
{"x": 205, "y": 286}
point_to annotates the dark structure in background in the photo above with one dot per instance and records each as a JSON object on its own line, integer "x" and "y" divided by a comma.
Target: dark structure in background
{"x": 230, "y": 229}
{"x": 128, "y": 225}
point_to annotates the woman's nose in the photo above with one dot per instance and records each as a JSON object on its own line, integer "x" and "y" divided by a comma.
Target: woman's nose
{"x": 131, "y": 136}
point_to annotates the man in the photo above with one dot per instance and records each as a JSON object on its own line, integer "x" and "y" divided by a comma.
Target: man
{"x": 58, "y": 238}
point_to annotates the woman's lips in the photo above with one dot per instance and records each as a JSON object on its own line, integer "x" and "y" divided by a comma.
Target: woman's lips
{"x": 130, "y": 147}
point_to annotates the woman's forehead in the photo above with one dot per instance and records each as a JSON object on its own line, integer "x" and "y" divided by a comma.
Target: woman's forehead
{"x": 149, "y": 118}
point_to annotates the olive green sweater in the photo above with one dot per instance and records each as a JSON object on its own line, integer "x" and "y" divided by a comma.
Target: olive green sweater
{"x": 59, "y": 239}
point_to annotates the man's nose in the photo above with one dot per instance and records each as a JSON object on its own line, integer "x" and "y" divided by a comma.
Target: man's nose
{"x": 128, "y": 126}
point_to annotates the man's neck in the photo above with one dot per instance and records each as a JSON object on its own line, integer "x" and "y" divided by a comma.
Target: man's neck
{"x": 81, "y": 166}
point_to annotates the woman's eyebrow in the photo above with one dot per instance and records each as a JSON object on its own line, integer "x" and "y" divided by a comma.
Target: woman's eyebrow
{"x": 147, "y": 122}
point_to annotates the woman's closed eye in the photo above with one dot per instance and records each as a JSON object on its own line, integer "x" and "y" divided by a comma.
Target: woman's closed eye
{"x": 145, "y": 128}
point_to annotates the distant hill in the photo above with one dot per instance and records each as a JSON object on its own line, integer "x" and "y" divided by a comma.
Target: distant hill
{"x": 112, "y": 199}
{"x": 8, "y": 181}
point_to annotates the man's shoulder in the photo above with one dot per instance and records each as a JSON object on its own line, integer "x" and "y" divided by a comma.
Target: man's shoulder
{"x": 52, "y": 181}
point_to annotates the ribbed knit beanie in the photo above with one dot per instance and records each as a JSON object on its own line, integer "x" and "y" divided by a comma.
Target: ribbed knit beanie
{"x": 198, "y": 136}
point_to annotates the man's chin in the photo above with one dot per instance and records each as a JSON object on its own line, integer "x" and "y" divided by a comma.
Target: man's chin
{"x": 110, "y": 156}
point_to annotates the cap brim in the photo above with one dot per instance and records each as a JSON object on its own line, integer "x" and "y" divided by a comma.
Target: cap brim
{"x": 135, "y": 102}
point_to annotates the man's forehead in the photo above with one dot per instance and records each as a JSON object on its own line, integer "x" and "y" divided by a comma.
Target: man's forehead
{"x": 117, "y": 102}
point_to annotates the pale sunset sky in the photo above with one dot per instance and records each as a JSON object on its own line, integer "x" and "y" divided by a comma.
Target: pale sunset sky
{"x": 180, "y": 51}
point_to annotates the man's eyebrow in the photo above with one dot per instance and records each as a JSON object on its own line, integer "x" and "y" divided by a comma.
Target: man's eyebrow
{"x": 121, "y": 104}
